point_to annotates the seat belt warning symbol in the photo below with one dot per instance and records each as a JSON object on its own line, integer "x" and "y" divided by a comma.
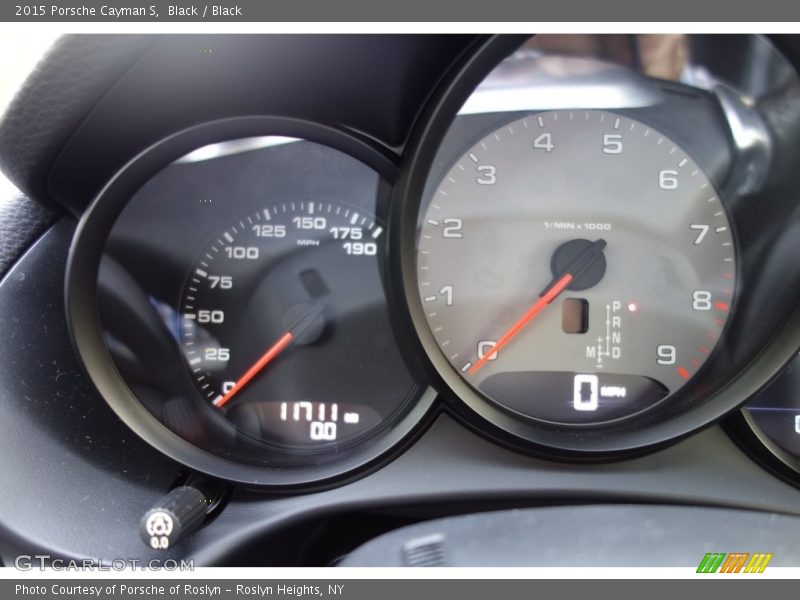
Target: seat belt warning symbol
{"x": 585, "y": 392}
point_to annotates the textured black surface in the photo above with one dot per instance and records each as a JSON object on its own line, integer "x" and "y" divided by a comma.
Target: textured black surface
{"x": 75, "y": 480}
{"x": 21, "y": 222}
{"x": 57, "y": 96}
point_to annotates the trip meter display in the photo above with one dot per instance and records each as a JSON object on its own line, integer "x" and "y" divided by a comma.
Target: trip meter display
{"x": 575, "y": 267}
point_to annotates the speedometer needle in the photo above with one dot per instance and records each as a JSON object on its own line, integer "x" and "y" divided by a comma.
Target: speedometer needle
{"x": 295, "y": 331}
{"x": 561, "y": 282}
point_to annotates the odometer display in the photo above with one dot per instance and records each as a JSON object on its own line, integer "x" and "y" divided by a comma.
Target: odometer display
{"x": 576, "y": 267}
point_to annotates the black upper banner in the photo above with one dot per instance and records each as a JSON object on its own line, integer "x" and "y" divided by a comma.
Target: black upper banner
{"x": 464, "y": 11}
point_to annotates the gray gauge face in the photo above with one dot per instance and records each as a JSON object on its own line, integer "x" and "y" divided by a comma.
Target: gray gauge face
{"x": 575, "y": 267}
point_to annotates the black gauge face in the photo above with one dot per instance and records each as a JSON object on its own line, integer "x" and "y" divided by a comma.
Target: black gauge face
{"x": 575, "y": 267}
{"x": 283, "y": 328}
{"x": 243, "y": 326}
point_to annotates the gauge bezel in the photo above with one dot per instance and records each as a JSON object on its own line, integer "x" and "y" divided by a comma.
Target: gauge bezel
{"x": 744, "y": 429}
{"x": 617, "y": 440}
{"x": 85, "y": 328}
{"x": 775, "y": 453}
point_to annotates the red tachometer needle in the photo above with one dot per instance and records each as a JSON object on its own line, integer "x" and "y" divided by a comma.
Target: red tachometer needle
{"x": 302, "y": 325}
{"x": 554, "y": 290}
{"x": 572, "y": 271}
{"x": 262, "y": 362}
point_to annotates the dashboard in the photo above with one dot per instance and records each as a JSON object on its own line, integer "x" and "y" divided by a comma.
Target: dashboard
{"x": 275, "y": 297}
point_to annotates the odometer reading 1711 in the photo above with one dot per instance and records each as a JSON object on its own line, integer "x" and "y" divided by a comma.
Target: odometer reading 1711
{"x": 576, "y": 267}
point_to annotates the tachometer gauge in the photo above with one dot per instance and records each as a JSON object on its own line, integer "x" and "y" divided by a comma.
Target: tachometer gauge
{"x": 579, "y": 233}
{"x": 575, "y": 267}
{"x": 282, "y": 328}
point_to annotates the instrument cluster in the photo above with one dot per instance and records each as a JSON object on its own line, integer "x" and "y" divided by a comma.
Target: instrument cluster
{"x": 586, "y": 252}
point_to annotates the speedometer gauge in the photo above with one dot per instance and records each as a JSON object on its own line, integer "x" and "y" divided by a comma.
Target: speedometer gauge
{"x": 575, "y": 267}
{"x": 276, "y": 308}
{"x": 230, "y": 296}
